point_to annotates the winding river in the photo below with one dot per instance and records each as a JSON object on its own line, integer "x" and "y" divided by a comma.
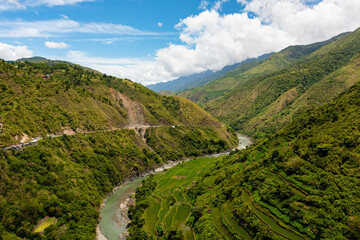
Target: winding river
{"x": 113, "y": 222}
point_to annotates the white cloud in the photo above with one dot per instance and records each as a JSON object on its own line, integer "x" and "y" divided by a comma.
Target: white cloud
{"x": 143, "y": 70}
{"x": 308, "y": 23}
{"x": 57, "y": 45}
{"x": 11, "y": 52}
{"x": 203, "y": 5}
{"x": 22, "y": 4}
{"x": 64, "y": 25}
{"x": 160, "y": 24}
{"x": 218, "y": 4}
{"x": 211, "y": 41}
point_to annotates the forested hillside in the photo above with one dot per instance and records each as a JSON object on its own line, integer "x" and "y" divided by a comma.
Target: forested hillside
{"x": 265, "y": 64}
{"x": 198, "y": 79}
{"x": 266, "y": 103}
{"x": 300, "y": 183}
{"x": 97, "y": 131}
{"x": 38, "y": 99}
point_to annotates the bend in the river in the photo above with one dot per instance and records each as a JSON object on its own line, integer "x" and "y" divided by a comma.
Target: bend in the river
{"x": 113, "y": 223}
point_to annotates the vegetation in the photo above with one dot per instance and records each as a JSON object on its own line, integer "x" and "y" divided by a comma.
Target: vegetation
{"x": 43, "y": 224}
{"x": 267, "y": 103}
{"x": 266, "y": 64}
{"x": 166, "y": 206}
{"x": 66, "y": 177}
{"x": 39, "y": 99}
{"x": 198, "y": 79}
{"x": 300, "y": 183}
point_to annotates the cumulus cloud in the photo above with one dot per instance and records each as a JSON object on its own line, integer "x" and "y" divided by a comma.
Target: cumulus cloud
{"x": 160, "y": 24}
{"x": 11, "y": 52}
{"x": 307, "y": 23}
{"x": 57, "y": 45}
{"x": 211, "y": 40}
{"x": 22, "y": 4}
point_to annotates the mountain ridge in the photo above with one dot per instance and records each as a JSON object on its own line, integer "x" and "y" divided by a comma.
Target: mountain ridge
{"x": 199, "y": 79}
{"x": 277, "y": 61}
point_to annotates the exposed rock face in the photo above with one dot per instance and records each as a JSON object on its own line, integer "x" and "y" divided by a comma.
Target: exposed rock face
{"x": 122, "y": 214}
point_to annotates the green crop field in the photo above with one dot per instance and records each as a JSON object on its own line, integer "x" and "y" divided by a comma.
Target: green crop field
{"x": 275, "y": 225}
{"x": 170, "y": 206}
{"x": 236, "y": 228}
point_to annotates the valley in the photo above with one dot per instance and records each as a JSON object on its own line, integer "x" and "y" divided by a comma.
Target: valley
{"x": 113, "y": 224}
{"x": 86, "y": 155}
{"x": 279, "y": 188}
{"x": 92, "y": 132}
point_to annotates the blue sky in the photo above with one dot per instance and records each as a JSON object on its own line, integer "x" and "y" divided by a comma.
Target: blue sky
{"x": 158, "y": 40}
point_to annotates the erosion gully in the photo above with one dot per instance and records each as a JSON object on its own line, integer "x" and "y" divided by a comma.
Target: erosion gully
{"x": 114, "y": 221}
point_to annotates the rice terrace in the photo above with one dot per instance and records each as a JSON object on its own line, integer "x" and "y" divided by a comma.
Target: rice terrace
{"x": 171, "y": 204}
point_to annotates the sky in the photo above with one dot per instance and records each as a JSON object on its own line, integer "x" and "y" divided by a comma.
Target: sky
{"x": 150, "y": 41}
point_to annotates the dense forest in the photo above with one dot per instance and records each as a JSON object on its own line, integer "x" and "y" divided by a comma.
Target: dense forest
{"x": 87, "y": 147}
{"x": 300, "y": 183}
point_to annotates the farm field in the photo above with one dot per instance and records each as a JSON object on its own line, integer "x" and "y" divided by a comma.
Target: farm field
{"x": 170, "y": 206}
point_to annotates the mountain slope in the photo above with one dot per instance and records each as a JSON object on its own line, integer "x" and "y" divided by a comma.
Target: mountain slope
{"x": 39, "y": 100}
{"x": 97, "y": 131}
{"x": 277, "y": 61}
{"x": 199, "y": 79}
{"x": 300, "y": 183}
{"x": 266, "y": 103}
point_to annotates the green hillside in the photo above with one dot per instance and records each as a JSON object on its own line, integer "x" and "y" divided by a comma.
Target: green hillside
{"x": 301, "y": 183}
{"x": 218, "y": 88}
{"x": 96, "y": 131}
{"x": 266, "y": 103}
{"x": 39, "y": 99}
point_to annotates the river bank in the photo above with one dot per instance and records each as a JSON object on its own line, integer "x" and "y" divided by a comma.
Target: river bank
{"x": 113, "y": 215}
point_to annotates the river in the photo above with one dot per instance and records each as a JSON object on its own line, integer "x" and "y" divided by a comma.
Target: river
{"x": 113, "y": 213}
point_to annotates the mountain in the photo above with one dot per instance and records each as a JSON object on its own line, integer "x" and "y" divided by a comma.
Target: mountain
{"x": 296, "y": 182}
{"x": 277, "y": 61}
{"x": 301, "y": 183}
{"x": 42, "y": 60}
{"x": 198, "y": 79}
{"x": 70, "y": 135}
{"x": 264, "y": 104}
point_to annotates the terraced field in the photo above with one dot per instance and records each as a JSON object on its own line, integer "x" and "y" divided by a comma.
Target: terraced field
{"x": 170, "y": 206}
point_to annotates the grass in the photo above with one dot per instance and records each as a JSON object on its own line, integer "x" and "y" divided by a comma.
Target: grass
{"x": 188, "y": 233}
{"x": 44, "y": 223}
{"x": 151, "y": 216}
{"x": 182, "y": 213}
{"x": 217, "y": 222}
{"x": 280, "y": 179}
{"x": 226, "y": 210}
{"x": 173, "y": 184}
{"x": 270, "y": 220}
{"x": 209, "y": 181}
{"x": 170, "y": 216}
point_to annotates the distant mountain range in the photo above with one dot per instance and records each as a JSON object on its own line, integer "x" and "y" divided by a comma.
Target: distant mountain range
{"x": 199, "y": 79}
